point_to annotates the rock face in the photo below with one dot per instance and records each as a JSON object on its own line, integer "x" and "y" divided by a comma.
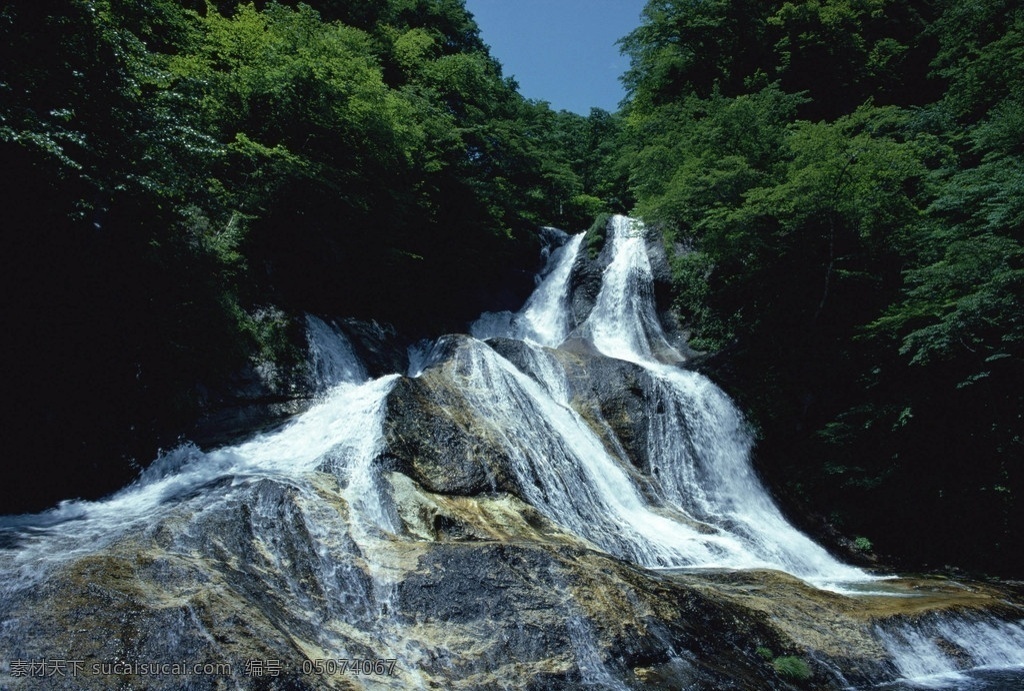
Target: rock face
{"x": 530, "y": 610}
{"x": 472, "y": 591}
{"x": 432, "y": 439}
{"x": 615, "y": 396}
{"x": 489, "y": 523}
{"x": 261, "y": 397}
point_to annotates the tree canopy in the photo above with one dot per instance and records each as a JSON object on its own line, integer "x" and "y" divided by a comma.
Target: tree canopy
{"x": 841, "y": 180}
{"x": 186, "y": 178}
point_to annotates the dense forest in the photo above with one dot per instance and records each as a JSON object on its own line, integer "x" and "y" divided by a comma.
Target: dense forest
{"x": 843, "y": 180}
{"x": 183, "y": 180}
{"x": 840, "y": 184}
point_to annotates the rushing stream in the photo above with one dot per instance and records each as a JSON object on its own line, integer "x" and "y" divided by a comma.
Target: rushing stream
{"x": 715, "y": 513}
{"x": 323, "y": 527}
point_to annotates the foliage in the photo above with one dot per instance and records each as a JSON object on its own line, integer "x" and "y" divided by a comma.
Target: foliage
{"x": 596, "y": 234}
{"x": 185, "y": 178}
{"x": 851, "y": 236}
{"x": 840, "y": 181}
{"x": 839, "y": 52}
{"x": 788, "y": 667}
{"x": 792, "y": 668}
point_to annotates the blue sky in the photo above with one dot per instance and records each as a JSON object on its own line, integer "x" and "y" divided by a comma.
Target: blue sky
{"x": 560, "y": 51}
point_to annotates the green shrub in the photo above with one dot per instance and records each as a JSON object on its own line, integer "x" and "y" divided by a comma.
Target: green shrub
{"x": 862, "y": 544}
{"x": 586, "y": 206}
{"x": 792, "y": 668}
{"x": 596, "y": 234}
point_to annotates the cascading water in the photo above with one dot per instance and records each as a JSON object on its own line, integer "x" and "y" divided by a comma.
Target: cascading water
{"x": 698, "y": 450}
{"x": 544, "y": 318}
{"x": 624, "y": 323}
{"x": 344, "y": 427}
{"x": 307, "y": 523}
{"x": 944, "y": 649}
{"x": 263, "y": 501}
{"x": 331, "y": 357}
{"x": 714, "y": 511}
{"x": 563, "y": 469}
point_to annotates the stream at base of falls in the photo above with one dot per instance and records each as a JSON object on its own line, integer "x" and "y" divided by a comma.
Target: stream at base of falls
{"x": 972, "y": 680}
{"x": 553, "y": 501}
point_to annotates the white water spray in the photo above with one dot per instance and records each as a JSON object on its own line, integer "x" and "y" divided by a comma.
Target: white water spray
{"x": 344, "y": 426}
{"x": 713, "y": 512}
{"x": 937, "y": 651}
{"x": 331, "y": 357}
{"x": 624, "y": 323}
{"x": 544, "y": 319}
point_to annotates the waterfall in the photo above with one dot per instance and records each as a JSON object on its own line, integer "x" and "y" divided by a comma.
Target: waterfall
{"x": 714, "y": 512}
{"x": 937, "y": 651}
{"x": 341, "y": 431}
{"x": 624, "y": 323}
{"x": 315, "y": 526}
{"x": 331, "y": 357}
{"x": 544, "y": 319}
{"x": 563, "y": 469}
{"x": 301, "y": 510}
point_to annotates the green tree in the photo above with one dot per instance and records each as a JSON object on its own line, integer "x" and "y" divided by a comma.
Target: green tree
{"x": 187, "y": 178}
{"x": 848, "y": 232}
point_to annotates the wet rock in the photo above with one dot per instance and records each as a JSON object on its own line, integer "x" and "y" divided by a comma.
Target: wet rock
{"x": 540, "y": 609}
{"x": 495, "y": 517}
{"x": 430, "y": 436}
{"x": 473, "y": 592}
{"x": 378, "y": 345}
{"x": 585, "y": 284}
{"x": 256, "y": 398}
{"x": 615, "y": 397}
{"x": 229, "y": 423}
{"x": 674, "y": 331}
{"x": 423, "y": 554}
